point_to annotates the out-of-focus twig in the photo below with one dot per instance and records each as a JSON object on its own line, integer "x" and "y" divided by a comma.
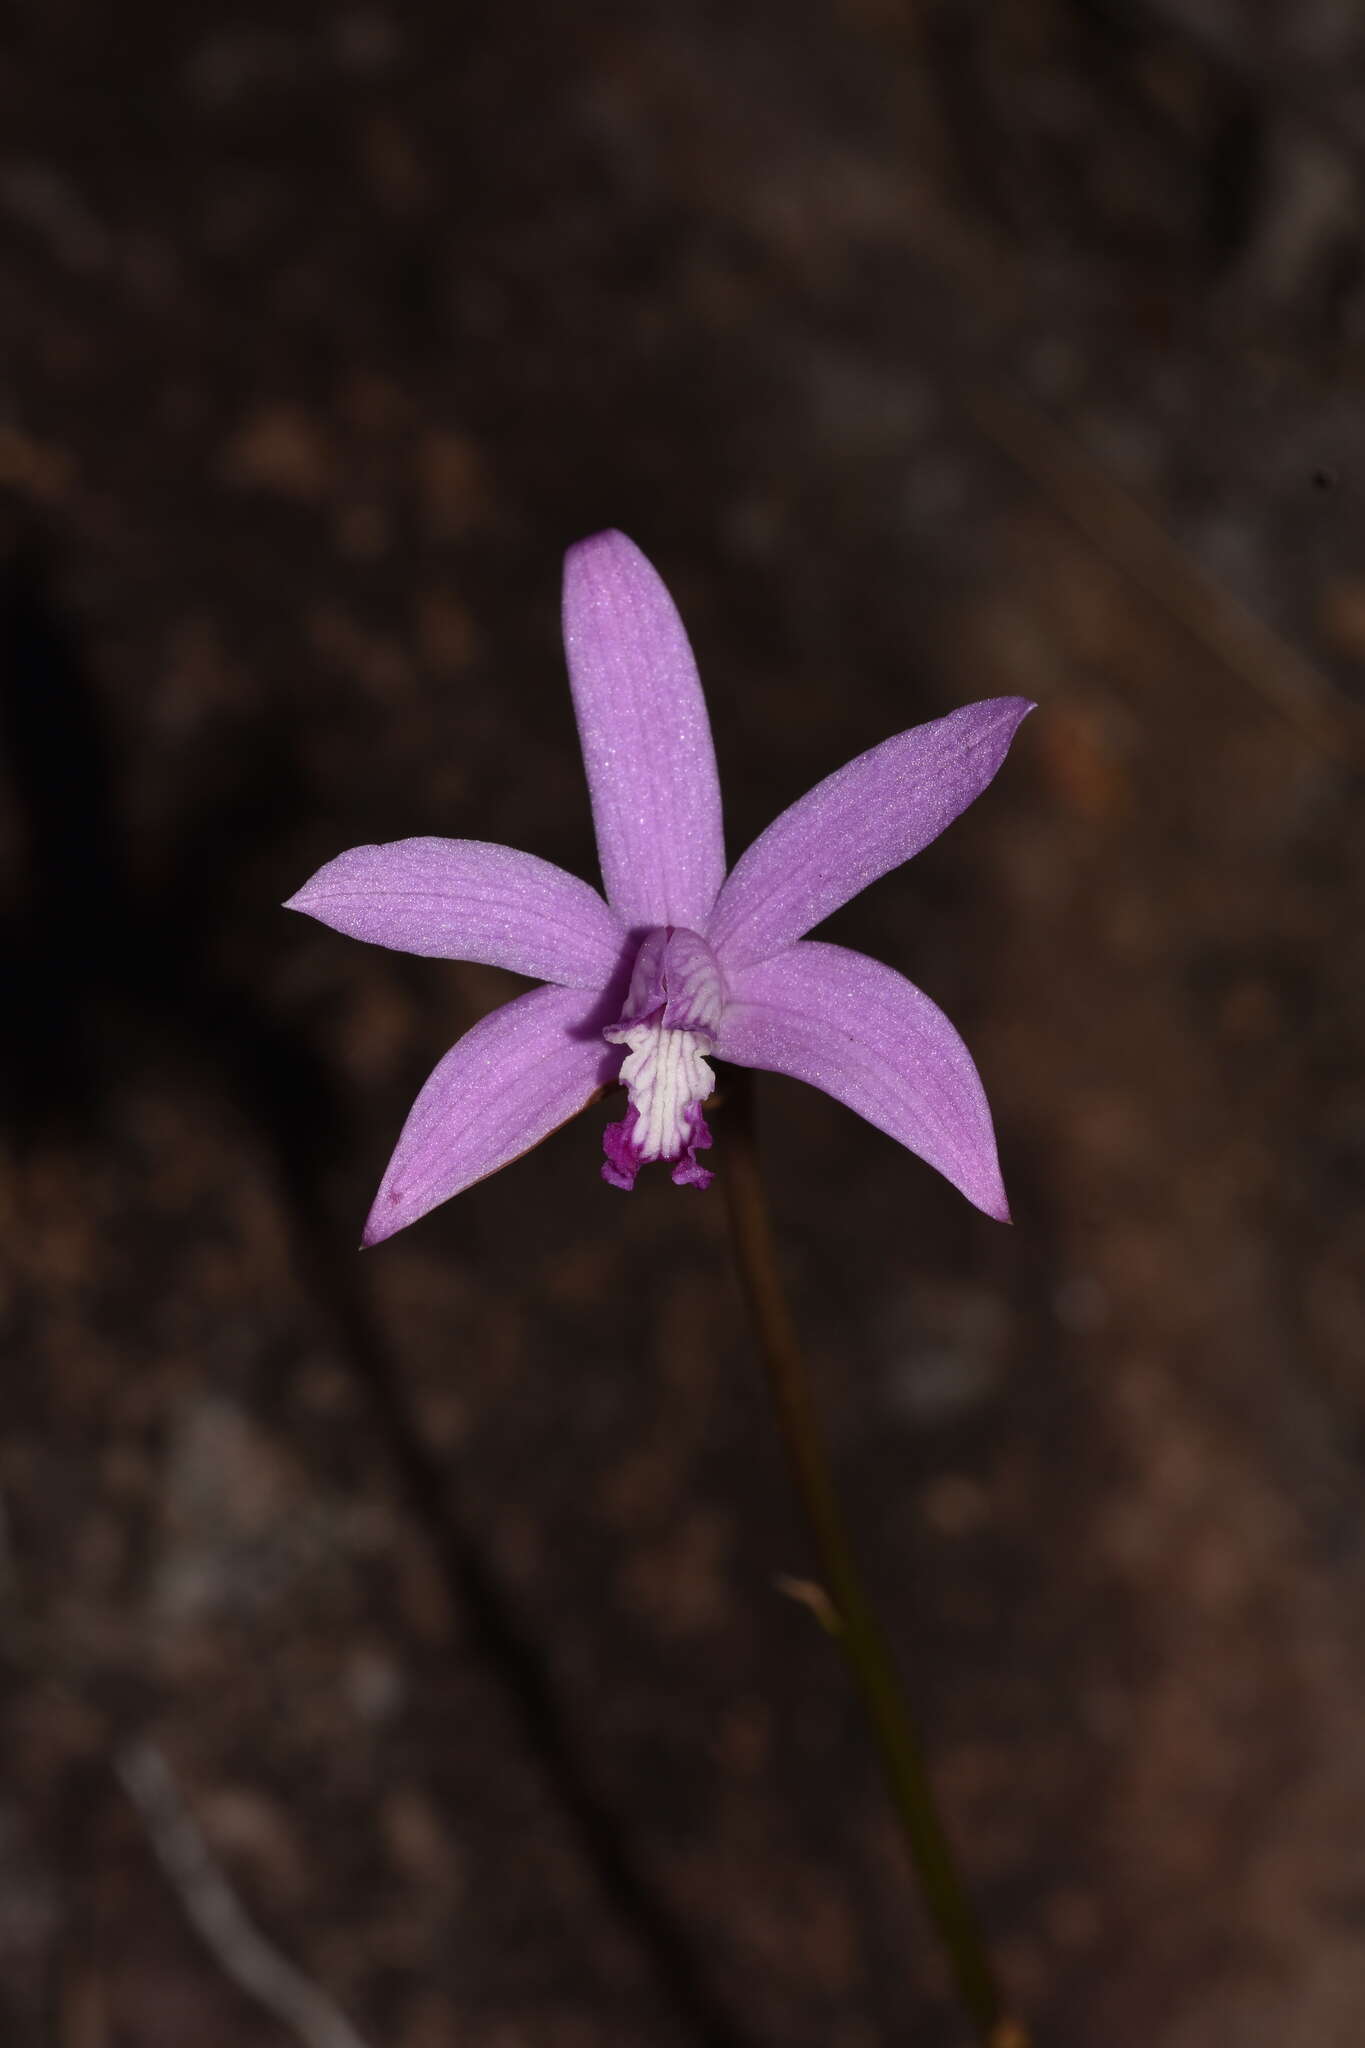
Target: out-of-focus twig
{"x": 1116, "y": 524}
{"x": 214, "y": 1909}
{"x": 209, "y": 1901}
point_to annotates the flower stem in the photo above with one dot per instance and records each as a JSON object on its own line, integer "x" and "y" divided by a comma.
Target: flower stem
{"x": 851, "y": 1617}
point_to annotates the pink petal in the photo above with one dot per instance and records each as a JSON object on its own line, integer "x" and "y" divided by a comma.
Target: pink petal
{"x": 857, "y": 824}
{"x": 462, "y": 899}
{"x": 519, "y": 1074}
{"x": 646, "y": 737}
{"x": 869, "y": 1038}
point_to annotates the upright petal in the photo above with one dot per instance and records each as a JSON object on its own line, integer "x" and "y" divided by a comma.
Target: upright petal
{"x": 519, "y": 1074}
{"x": 646, "y": 738}
{"x": 462, "y": 899}
{"x": 871, "y": 1039}
{"x": 857, "y": 824}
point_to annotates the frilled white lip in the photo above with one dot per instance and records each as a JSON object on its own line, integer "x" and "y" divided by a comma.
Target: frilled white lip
{"x": 667, "y": 1079}
{"x": 672, "y": 1013}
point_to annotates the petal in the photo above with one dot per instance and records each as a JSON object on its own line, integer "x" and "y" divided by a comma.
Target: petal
{"x": 519, "y": 1074}
{"x": 462, "y": 899}
{"x": 646, "y": 738}
{"x": 870, "y": 1038}
{"x": 857, "y": 824}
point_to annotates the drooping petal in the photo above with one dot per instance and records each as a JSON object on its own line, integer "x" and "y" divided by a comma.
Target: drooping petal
{"x": 871, "y": 1039}
{"x": 515, "y": 1077}
{"x": 646, "y": 737}
{"x": 463, "y": 899}
{"x": 857, "y": 824}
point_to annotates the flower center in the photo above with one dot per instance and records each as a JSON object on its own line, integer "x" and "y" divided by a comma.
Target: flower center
{"x": 672, "y": 1012}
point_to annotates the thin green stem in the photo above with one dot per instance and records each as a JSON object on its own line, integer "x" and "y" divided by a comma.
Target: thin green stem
{"x": 854, "y": 1622}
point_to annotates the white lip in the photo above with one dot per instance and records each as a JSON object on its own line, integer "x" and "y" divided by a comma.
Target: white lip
{"x": 667, "y": 1079}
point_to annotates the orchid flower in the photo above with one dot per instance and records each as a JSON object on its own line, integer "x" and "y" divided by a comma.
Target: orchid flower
{"x": 678, "y": 961}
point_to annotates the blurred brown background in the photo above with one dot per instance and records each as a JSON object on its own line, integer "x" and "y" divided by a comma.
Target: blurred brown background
{"x": 932, "y": 350}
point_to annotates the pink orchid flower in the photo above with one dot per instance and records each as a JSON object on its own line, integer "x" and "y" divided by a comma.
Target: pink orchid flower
{"x": 681, "y": 961}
